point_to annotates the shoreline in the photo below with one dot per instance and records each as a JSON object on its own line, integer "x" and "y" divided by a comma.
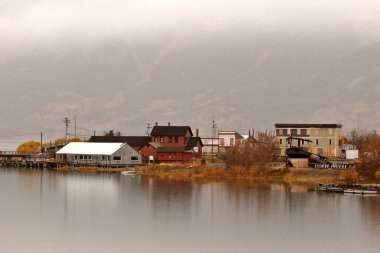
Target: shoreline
{"x": 180, "y": 172}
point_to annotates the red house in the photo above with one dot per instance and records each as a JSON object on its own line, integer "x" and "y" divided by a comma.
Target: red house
{"x": 173, "y": 144}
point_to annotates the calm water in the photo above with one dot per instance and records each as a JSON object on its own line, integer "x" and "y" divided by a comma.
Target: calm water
{"x": 47, "y": 211}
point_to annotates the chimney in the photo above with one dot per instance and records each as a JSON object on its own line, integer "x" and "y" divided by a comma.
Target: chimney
{"x": 253, "y": 132}
{"x": 197, "y": 132}
{"x": 168, "y": 123}
{"x": 249, "y": 133}
{"x": 156, "y": 124}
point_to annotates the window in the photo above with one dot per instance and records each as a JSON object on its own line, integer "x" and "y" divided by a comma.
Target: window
{"x": 81, "y": 157}
{"x": 134, "y": 158}
{"x": 170, "y": 139}
{"x": 117, "y": 158}
{"x": 285, "y": 131}
{"x": 176, "y": 139}
{"x": 161, "y": 139}
{"x": 221, "y": 142}
{"x": 75, "y": 157}
{"x": 232, "y": 141}
{"x": 105, "y": 157}
{"x": 155, "y": 139}
{"x": 277, "y": 132}
{"x": 281, "y": 141}
{"x": 87, "y": 157}
{"x": 330, "y": 142}
{"x": 303, "y": 132}
{"x": 317, "y": 141}
{"x": 293, "y": 131}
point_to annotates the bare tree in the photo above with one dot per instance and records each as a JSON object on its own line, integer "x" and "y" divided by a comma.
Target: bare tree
{"x": 368, "y": 143}
{"x": 253, "y": 151}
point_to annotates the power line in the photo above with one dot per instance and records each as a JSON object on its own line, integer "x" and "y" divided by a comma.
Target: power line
{"x": 19, "y": 135}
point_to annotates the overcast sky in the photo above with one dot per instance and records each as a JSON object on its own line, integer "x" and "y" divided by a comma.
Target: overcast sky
{"x": 119, "y": 64}
{"x": 27, "y": 21}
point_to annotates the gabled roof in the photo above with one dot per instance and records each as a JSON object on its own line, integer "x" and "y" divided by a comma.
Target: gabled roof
{"x": 134, "y": 141}
{"x": 170, "y": 130}
{"x": 139, "y": 141}
{"x": 91, "y": 148}
{"x": 237, "y": 135}
{"x": 193, "y": 141}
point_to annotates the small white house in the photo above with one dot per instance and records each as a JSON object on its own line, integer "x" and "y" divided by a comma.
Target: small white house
{"x": 99, "y": 154}
{"x": 229, "y": 138}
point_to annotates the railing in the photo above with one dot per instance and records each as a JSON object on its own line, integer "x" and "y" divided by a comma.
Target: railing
{"x": 8, "y": 153}
{"x": 15, "y": 154}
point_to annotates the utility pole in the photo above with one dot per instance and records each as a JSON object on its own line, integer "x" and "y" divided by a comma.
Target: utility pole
{"x": 67, "y": 122}
{"x": 213, "y": 135}
{"x": 41, "y": 144}
{"x": 75, "y": 127}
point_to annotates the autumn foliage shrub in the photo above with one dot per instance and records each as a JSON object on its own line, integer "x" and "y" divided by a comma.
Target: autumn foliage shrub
{"x": 349, "y": 176}
{"x": 29, "y": 147}
{"x": 377, "y": 175}
{"x": 368, "y": 144}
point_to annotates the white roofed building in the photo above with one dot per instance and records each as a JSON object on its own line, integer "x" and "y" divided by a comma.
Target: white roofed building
{"x": 99, "y": 154}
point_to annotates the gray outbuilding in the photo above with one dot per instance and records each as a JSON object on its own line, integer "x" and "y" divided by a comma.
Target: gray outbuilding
{"x": 99, "y": 154}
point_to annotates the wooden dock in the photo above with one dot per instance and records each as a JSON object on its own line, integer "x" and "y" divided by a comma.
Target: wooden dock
{"x": 14, "y": 159}
{"x": 348, "y": 188}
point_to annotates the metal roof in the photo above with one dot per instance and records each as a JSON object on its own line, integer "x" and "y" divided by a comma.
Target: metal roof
{"x": 132, "y": 141}
{"x": 90, "y": 148}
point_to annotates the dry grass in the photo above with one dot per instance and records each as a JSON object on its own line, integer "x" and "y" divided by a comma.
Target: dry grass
{"x": 185, "y": 173}
{"x": 78, "y": 169}
{"x": 311, "y": 175}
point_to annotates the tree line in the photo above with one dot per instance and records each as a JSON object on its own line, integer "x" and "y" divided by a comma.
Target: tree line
{"x": 34, "y": 147}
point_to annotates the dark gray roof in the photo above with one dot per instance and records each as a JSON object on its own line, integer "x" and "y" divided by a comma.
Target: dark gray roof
{"x": 133, "y": 141}
{"x": 170, "y": 130}
{"x": 193, "y": 141}
{"x": 279, "y": 125}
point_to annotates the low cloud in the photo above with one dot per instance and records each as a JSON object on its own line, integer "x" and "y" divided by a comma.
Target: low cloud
{"x": 159, "y": 105}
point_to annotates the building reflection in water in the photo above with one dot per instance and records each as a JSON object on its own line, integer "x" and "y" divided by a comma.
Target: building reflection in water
{"x": 73, "y": 212}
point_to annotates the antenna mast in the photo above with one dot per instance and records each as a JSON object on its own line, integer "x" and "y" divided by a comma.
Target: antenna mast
{"x": 148, "y": 127}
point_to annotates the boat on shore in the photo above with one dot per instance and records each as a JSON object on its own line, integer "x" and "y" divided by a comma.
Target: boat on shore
{"x": 128, "y": 172}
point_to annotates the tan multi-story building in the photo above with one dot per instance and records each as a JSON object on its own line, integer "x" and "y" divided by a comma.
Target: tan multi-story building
{"x": 325, "y": 138}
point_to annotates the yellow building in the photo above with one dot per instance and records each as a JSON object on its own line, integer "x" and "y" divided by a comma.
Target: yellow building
{"x": 325, "y": 138}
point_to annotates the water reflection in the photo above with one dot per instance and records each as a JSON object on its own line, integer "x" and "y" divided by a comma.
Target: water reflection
{"x": 49, "y": 211}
